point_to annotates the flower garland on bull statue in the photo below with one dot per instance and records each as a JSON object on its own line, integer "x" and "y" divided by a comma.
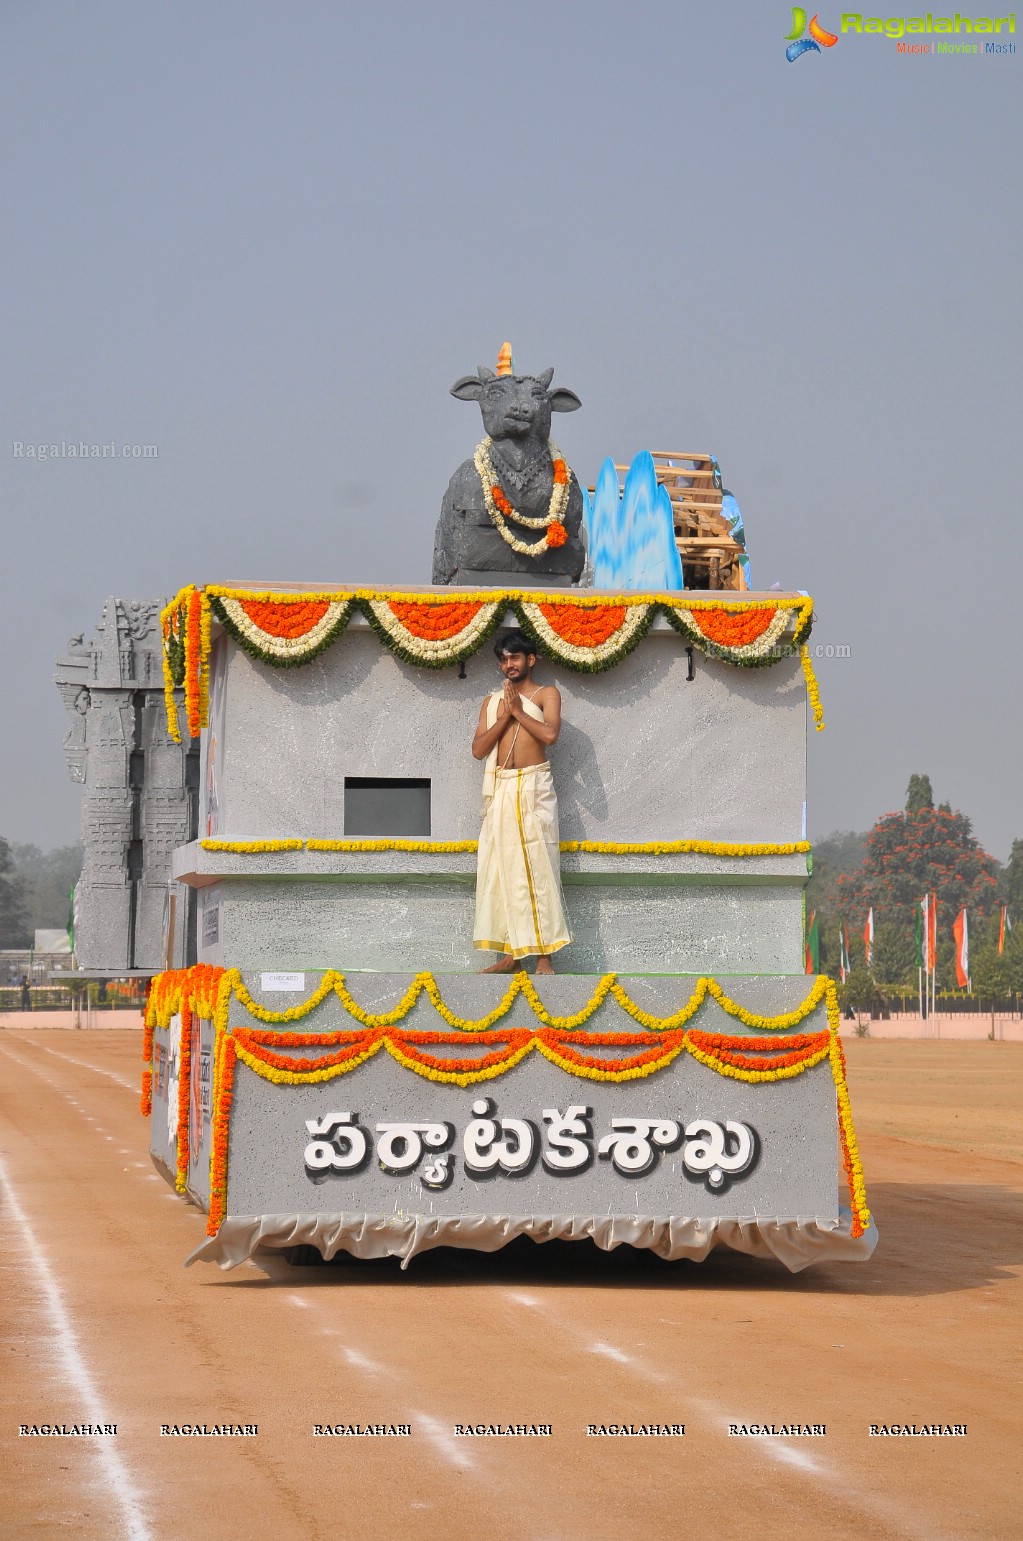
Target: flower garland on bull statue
{"x": 515, "y": 507}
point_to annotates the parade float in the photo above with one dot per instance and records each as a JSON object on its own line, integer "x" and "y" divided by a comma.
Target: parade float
{"x": 329, "y": 1073}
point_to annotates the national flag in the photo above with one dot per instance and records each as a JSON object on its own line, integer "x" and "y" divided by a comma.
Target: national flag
{"x": 868, "y": 938}
{"x": 919, "y": 937}
{"x": 844, "y": 967}
{"x": 812, "y": 946}
{"x": 1004, "y": 924}
{"x": 932, "y": 933}
{"x": 961, "y": 932}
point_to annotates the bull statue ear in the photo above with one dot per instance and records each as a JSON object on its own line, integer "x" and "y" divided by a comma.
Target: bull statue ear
{"x": 562, "y": 400}
{"x": 468, "y": 388}
{"x": 546, "y": 378}
{"x": 485, "y": 374}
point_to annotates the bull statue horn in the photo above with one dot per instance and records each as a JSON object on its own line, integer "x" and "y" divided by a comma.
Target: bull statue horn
{"x": 484, "y": 373}
{"x": 505, "y": 364}
{"x": 546, "y": 378}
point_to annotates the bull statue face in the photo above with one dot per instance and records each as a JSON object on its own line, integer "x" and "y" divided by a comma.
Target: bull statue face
{"x": 515, "y": 406}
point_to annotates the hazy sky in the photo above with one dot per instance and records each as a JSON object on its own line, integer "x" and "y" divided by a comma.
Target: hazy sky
{"x": 268, "y": 237}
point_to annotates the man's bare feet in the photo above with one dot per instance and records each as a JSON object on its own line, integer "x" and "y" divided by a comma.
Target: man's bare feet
{"x": 544, "y": 966}
{"x": 505, "y": 965}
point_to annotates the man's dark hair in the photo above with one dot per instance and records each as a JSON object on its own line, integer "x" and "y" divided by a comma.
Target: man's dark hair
{"x": 515, "y": 642}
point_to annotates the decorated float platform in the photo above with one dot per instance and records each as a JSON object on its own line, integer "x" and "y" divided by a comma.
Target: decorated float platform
{"x": 332, "y": 1072}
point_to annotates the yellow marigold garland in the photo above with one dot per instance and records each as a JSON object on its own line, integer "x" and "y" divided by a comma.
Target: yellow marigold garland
{"x": 450, "y": 847}
{"x": 250, "y": 847}
{"x": 812, "y": 691}
{"x": 775, "y": 1073}
{"x": 207, "y": 992}
{"x": 380, "y": 608}
{"x": 423, "y": 847}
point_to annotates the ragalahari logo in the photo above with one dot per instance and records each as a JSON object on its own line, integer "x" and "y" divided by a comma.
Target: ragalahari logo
{"x": 798, "y": 44}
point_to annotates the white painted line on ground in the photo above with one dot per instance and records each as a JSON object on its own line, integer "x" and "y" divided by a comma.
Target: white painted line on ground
{"x": 63, "y": 1343}
{"x": 790, "y": 1456}
{"x": 610, "y": 1353}
{"x": 774, "y": 1449}
{"x": 443, "y": 1441}
{"x": 360, "y": 1362}
{"x": 84, "y": 1064}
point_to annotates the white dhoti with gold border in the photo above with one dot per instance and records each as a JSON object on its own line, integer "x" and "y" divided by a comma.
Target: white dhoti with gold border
{"x": 519, "y": 904}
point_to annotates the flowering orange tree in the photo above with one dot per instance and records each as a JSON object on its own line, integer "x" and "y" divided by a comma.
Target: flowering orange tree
{"x": 931, "y": 850}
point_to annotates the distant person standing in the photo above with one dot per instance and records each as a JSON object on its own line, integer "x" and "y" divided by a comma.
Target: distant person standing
{"x": 26, "y": 994}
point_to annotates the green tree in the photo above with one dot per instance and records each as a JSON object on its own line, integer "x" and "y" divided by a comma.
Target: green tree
{"x": 15, "y": 926}
{"x": 1014, "y": 883}
{"x": 894, "y": 965}
{"x": 909, "y": 855}
{"x": 990, "y": 974}
{"x": 918, "y": 794}
{"x": 46, "y": 879}
{"x": 838, "y": 855}
{"x": 860, "y": 993}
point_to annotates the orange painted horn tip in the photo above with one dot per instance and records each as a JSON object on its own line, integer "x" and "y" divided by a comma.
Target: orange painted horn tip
{"x": 504, "y": 359}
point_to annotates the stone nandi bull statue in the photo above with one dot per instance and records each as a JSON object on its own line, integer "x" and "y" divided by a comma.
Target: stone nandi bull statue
{"x": 512, "y": 516}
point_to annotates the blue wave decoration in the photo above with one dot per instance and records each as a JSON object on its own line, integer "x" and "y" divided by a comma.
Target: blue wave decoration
{"x": 632, "y": 534}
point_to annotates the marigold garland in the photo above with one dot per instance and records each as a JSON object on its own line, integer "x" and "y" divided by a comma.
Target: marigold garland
{"x": 251, "y": 847}
{"x": 499, "y": 508}
{"x": 431, "y": 621}
{"x": 286, "y": 620}
{"x": 184, "y": 1095}
{"x": 812, "y": 692}
{"x": 451, "y": 847}
{"x": 422, "y": 847}
{"x": 207, "y": 992}
{"x": 172, "y": 626}
{"x": 731, "y": 630}
{"x": 584, "y": 627}
{"x": 288, "y": 629}
{"x": 850, "y": 1149}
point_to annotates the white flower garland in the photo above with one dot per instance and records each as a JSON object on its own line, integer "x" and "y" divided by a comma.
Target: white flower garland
{"x": 769, "y": 638}
{"x": 572, "y": 652}
{"x": 434, "y": 650}
{"x": 286, "y": 647}
{"x": 555, "y": 512}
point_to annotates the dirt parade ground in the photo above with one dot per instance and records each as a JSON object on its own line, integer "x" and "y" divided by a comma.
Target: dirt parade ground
{"x": 102, "y": 1325}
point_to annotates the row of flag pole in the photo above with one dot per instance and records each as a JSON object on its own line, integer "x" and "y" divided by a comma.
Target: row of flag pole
{"x": 926, "y": 946}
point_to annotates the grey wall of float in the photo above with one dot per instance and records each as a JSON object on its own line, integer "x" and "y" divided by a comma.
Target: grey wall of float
{"x": 789, "y": 1199}
{"x": 644, "y": 753}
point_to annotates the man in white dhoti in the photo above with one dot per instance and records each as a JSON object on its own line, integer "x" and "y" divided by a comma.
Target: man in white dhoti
{"x": 519, "y": 907}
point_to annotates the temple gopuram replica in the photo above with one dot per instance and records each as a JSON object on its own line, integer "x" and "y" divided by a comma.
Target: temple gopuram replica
{"x": 329, "y": 1070}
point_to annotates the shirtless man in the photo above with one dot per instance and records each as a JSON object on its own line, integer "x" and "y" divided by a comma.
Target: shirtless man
{"x": 519, "y": 908}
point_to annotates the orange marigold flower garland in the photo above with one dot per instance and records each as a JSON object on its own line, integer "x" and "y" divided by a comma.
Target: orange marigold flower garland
{"x": 436, "y": 622}
{"x": 734, "y": 630}
{"x": 196, "y": 662}
{"x": 207, "y": 991}
{"x": 584, "y": 626}
{"x": 184, "y": 1094}
{"x": 285, "y": 618}
{"x": 222, "y": 1096}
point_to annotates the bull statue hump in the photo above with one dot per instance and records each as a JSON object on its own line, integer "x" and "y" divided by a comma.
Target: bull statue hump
{"x": 512, "y": 516}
